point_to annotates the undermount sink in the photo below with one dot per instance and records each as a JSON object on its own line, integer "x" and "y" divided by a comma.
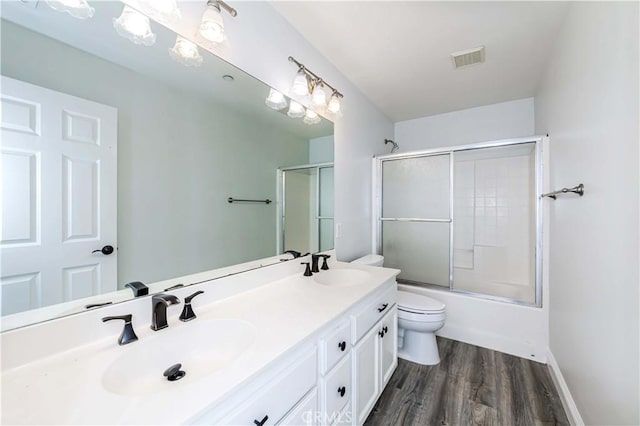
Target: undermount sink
{"x": 203, "y": 348}
{"x": 343, "y": 277}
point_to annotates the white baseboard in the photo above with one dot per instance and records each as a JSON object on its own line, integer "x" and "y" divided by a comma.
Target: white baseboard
{"x": 494, "y": 342}
{"x": 568, "y": 403}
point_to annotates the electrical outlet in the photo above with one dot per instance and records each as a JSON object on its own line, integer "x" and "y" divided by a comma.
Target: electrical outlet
{"x": 338, "y": 230}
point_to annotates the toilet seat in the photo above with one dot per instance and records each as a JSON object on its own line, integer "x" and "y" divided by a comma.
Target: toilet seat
{"x": 418, "y": 304}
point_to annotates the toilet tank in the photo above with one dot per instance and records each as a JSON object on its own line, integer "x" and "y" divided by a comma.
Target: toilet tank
{"x": 370, "y": 260}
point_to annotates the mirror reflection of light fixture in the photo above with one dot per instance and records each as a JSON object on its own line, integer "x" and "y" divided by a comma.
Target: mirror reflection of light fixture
{"x": 161, "y": 10}
{"x": 334, "y": 106}
{"x": 295, "y": 110}
{"x": 77, "y": 8}
{"x": 275, "y": 100}
{"x": 300, "y": 86}
{"x": 319, "y": 96}
{"x": 311, "y": 117}
{"x": 186, "y": 52}
{"x": 134, "y": 26}
{"x": 305, "y": 79}
{"x": 211, "y": 24}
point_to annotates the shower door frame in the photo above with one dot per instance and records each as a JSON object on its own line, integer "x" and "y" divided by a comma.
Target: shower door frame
{"x": 280, "y": 226}
{"x": 378, "y": 219}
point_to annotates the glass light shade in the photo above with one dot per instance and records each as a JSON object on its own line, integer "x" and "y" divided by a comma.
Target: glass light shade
{"x": 186, "y": 53}
{"x": 311, "y": 117}
{"x": 295, "y": 110}
{"x": 334, "y": 106}
{"x": 212, "y": 25}
{"x": 162, "y": 10}
{"x": 275, "y": 100}
{"x": 300, "y": 86}
{"x": 319, "y": 96}
{"x": 77, "y": 8}
{"x": 134, "y": 26}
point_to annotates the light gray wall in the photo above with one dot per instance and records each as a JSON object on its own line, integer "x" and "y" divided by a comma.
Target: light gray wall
{"x": 504, "y": 120}
{"x": 321, "y": 150}
{"x": 179, "y": 158}
{"x": 588, "y": 102}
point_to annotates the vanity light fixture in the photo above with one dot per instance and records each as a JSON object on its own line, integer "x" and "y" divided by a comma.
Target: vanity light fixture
{"x": 276, "y": 100}
{"x": 296, "y": 110}
{"x": 77, "y": 8}
{"x": 186, "y": 52}
{"x": 134, "y": 26}
{"x": 160, "y": 10}
{"x": 311, "y": 117}
{"x": 212, "y": 25}
{"x": 307, "y": 82}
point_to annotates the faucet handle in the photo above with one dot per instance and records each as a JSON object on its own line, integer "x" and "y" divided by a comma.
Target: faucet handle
{"x": 128, "y": 334}
{"x": 187, "y": 312}
{"x": 307, "y": 272}
{"x": 325, "y": 267}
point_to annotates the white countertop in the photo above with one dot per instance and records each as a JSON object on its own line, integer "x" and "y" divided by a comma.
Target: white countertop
{"x": 67, "y": 387}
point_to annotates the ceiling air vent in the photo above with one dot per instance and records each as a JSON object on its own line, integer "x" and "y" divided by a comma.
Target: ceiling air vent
{"x": 468, "y": 57}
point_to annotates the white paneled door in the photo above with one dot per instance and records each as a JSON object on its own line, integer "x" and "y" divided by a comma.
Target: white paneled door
{"x": 59, "y": 178}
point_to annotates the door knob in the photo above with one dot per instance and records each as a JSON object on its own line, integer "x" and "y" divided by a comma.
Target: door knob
{"x": 106, "y": 250}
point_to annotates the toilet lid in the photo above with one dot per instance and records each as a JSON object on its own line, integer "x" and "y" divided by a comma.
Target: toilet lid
{"x": 418, "y": 302}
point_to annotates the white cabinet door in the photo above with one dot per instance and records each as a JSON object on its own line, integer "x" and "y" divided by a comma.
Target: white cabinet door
{"x": 388, "y": 346}
{"x": 366, "y": 366}
{"x": 59, "y": 182}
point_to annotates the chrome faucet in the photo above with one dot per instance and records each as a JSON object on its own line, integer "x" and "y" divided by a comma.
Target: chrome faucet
{"x": 159, "y": 303}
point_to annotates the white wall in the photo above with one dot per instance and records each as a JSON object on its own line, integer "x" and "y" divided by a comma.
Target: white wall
{"x": 588, "y": 102}
{"x": 505, "y": 120}
{"x": 261, "y": 41}
{"x": 321, "y": 150}
{"x": 174, "y": 174}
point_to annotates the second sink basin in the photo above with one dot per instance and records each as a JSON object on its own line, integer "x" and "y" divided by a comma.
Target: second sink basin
{"x": 342, "y": 277}
{"x": 202, "y": 348}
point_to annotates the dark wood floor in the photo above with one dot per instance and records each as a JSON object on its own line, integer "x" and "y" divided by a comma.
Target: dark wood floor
{"x": 470, "y": 386}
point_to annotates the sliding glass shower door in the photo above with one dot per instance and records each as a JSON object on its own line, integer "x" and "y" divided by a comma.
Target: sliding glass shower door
{"x": 463, "y": 219}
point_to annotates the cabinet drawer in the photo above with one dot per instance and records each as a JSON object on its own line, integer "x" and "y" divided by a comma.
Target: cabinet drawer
{"x": 276, "y": 399}
{"x": 335, "y": 346}
{"x": 336, "y": 389}
{"x": 305, "y": 413}
{"x": 364, "y": 319}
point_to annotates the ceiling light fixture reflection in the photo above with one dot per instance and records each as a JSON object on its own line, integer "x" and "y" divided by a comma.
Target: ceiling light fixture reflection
{"x": 295, "y": 110}
{"x": 186, "y": 52}
{"x": 276, "y": 100}
{"x": 77, "y": 8}
{"x": 161, "y": 10}
{"x": 134, "y": 26}
{"x": 311, "y": 117}
{"x": 211, "y": 24}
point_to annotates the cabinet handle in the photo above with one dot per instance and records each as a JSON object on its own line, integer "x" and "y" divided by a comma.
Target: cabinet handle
{"x": 385, "y": 329}
{"x": 342, "y": 391}
{"x": 381, "y": 333}
{"x": 384, "y": 306}
{"x": 342, "y": 345}
{"x": 261, "y": 422}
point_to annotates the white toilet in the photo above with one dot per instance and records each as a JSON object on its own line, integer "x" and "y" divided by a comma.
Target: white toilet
{"x": 419, "y": 317}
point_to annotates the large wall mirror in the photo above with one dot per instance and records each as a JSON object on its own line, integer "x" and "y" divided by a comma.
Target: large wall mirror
{"x": 110, "y": 144}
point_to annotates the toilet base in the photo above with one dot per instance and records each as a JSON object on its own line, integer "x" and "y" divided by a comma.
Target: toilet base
{"x": 421, "y": 348}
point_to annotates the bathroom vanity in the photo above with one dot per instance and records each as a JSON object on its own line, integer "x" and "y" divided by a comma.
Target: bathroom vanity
{"x": 269, "y": 346}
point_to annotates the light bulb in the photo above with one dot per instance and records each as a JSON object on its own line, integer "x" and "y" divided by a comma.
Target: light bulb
{"x": 135, "y": 26}
{"x": 300, "y": 86}
{"x": 295, "y": 110}
{"x": 319, "y": 96}
{"x": 77, "y": 8}
{"x": 311, "y": 117}
{"x": 212, "y": 25}
{"x": 186, "y": 52}
{"x": 334, "y": 106}
{"x": 275, "y": 100}
{"x": 161, "y": 10}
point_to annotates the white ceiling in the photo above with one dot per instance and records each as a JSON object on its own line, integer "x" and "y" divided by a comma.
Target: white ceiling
{"x": 398, "y": 53}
